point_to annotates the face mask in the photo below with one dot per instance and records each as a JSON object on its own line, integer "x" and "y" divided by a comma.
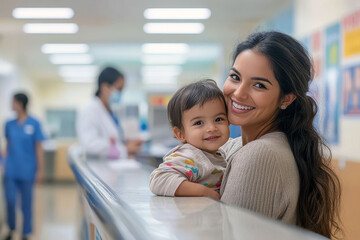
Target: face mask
{"x": 115, "y": 98}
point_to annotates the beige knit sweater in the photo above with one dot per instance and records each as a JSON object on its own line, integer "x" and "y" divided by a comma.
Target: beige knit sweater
{"x": 262, "y": 176}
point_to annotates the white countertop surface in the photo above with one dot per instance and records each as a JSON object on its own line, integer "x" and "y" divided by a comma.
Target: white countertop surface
{"x": 184, "y": 217}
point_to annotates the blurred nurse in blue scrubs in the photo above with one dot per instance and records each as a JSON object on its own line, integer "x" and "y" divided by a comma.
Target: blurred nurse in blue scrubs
{"x": 24, "y": 163}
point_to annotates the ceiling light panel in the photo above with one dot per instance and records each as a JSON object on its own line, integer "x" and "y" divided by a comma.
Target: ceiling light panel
{"x": 165, "y": 48}
{"x": 79, "y": 80}
{"x": 163, "y": 59}
{"x": 161, "y": 71}
{"x": 51, "y": 28}
{"x": 173, "y": 28}
{"x": 177, "y": 13}
{"x": 64, "y": 48}
{"x": 6, "y": 68}
{"x": 43, "y": 13}
{"x": 160, "y": 80}
{"x": 81, "y": 71}
{"x": 71, "y": 59}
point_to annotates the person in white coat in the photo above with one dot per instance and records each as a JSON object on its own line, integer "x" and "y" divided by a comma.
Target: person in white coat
{"x": 99, "y": 130}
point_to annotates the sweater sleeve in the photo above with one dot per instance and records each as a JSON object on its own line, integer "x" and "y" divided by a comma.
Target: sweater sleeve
{"x": 171, "y": 173}
{"x": 253, "y": 181}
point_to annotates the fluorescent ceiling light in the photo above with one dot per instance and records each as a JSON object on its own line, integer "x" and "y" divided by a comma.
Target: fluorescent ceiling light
{"x": 160, "y": 80}
{"x": 6, "y": 68}
{"x": 64, "y": 48}
{"x": 168, "y": 48}
{"x": 79, "y": 80}
{"x": 41, "y": 13}
{"x": 161, "y": 71}
{"x": 163, "y": 59}
{"x": 51, "y": 28}
{"x": 177, "y": 13}
{"x": 173, "y": 28}
{"x": 89, "y": 71}
{"x": 71, "y": 59}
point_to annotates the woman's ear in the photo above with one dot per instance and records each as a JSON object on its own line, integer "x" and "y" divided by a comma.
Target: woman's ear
{"x": 287, "y": 100}
{"x": 179, "y": 134}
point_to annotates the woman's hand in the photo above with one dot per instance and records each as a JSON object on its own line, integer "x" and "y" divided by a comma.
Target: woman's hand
{"x": 133, "y": 146}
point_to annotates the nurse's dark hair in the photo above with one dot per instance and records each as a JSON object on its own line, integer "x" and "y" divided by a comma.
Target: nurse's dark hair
{"x": 319, "y": 198}
{"x": 109, "y": 75}
{"x": 190, "y": 95}
{"x": 23, "y": 99}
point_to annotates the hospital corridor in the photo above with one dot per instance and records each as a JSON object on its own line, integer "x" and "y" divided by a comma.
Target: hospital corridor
{"x": 157, "y": 120}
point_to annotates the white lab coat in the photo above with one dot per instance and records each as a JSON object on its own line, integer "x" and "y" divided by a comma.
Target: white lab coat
{"x": 95, "y": 126}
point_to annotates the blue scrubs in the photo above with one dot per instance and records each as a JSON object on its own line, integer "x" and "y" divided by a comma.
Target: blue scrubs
{"x": 20, "y": 168}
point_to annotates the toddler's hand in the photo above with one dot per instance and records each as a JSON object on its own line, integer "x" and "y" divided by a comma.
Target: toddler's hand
{"x": 212, "y": 193}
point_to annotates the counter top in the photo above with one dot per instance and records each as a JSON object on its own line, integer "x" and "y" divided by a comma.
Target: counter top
{"x": 119, "y": 190}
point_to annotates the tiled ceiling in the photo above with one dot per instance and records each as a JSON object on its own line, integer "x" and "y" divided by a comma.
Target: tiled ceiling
{"x": 114, "y": 31}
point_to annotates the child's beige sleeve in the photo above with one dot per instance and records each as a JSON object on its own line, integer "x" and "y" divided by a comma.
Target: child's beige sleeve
{"x": 171, "y": 173}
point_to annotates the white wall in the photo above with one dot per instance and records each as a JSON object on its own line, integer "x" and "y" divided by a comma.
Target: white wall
{"x": 61, "y": 95}
{"x": 311, "y": 16}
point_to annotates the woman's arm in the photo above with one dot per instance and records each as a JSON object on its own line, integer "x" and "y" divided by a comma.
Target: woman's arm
{"x": 232, "y": 146}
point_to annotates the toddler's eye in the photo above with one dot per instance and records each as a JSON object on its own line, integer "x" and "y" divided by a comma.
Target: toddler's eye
{"x": 219, "y": 119}
{"x": 198, "y": 123}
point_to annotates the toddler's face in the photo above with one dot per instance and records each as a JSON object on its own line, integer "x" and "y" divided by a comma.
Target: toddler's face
{"x": 205, "y": 127}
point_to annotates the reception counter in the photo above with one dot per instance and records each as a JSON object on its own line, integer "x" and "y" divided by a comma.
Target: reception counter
{"x": 117, "y": 204}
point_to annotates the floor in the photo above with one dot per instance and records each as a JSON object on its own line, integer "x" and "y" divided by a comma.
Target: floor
{"x": 350, "y": 198}
{"x": 56, "y": 214}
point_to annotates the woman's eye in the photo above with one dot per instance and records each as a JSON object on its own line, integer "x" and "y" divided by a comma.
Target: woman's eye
{"x": 260, "y": 85}
{"x": 219, "y": 119}
{"x": 234, "y": 76}
{"x": 198, "y": 123}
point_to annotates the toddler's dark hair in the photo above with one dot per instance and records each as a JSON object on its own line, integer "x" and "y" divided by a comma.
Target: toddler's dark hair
{"x": 190, "y": 95}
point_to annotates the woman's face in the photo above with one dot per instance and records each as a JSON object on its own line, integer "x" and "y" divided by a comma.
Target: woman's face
{"x": 119, "y": 84}
{"x": 107, "y": 89}
{"x": 251, "y": 91}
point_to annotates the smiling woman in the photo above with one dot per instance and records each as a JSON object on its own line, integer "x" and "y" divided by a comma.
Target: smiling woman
{"x": 253, "y": 94}
{"x": 278, "y": 167}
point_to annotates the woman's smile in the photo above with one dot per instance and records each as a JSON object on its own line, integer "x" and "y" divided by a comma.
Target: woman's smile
{"x": 240, "y": 108}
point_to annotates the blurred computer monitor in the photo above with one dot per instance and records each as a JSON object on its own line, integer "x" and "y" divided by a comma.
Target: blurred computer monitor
{"x": 158, "y": 125}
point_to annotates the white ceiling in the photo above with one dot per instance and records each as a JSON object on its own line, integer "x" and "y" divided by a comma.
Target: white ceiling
{"x": 114, "y": 31}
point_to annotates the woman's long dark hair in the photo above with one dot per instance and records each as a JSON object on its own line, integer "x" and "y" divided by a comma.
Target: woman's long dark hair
{"x": 319, "y": 197}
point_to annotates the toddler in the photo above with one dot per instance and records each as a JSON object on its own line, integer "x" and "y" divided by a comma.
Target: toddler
{"x": 198, "y": 116}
